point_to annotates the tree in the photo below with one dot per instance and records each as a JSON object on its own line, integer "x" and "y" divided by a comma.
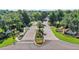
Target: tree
{"x": 24, "y": 16}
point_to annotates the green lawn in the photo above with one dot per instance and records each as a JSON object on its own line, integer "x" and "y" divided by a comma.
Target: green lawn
{"x": 7, "y": 42}
{"x": 1, "y": 30}
{"x": 65, "y": 37}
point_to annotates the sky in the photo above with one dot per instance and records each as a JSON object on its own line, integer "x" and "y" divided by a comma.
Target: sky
{"x": 39, "y": 4}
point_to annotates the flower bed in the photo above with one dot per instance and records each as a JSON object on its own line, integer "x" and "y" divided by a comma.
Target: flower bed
{"x": 39, "y": 38}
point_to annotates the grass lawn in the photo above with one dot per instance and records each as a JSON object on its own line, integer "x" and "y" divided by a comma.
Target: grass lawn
{"x": 7, "y": 42}
{"x": 65, "y": 37}
{"x": 1, "y": 30}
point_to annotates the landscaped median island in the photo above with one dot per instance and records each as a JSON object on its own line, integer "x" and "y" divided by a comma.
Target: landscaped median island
{"x": 39, "y": 38}
{"x": 65, "y": 37}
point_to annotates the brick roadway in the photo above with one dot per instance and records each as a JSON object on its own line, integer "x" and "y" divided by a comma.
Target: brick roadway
{"x": 51, "y": 43}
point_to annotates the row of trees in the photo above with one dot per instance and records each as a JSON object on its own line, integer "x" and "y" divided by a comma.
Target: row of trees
{"x": 17, "y": 20}
{"x": 65, "y": 18}
{"x": 14, "y": 21}
{"x": 37, "y": 15}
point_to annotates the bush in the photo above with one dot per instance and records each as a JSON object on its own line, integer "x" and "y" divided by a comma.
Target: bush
{"x": 39, "y": 35}
{"x": 2, "y": 36}
{"x": 30, "y": 24}
{"x": 21, "y": 30}
{"x": 40, "y": 25}
{"x": 1, "y": 41}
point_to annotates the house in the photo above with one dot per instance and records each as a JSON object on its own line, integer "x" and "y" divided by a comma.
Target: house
{"x": 8, "y": 31}
{"x": 70, "y": 32}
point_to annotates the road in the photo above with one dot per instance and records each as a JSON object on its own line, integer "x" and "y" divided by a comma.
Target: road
{"x": 48, "y": 32}
{"x": 51, "y": 41}
{"x": 25, "y": 41}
